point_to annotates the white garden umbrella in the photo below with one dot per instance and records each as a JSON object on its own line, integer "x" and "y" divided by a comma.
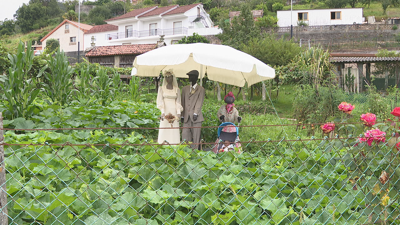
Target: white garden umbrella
{"x": 221, "y": 63}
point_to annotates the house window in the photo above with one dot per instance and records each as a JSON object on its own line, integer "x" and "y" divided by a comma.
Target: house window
{"x": 303, "y": 16}
{"x": 128, "y": 31}
{"x": 72, "y": 41}
{"x": 66, "y": 28}
{"x": 198, "y": 11}
{"x": 109, "y": 37}
{"x": 152, "y": 29}
{"x": 336, "y": 15}
{"x": 178, "y": 27}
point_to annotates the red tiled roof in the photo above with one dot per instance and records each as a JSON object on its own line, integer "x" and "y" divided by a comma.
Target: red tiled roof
{"x": 182, "y": 9}
{"x": 159, "y": 11}
{"x": 363, "y": 59}
{"x": 133, "y": 13}
{"x": 102, "y": 28}
{"x": 120, "y": 50}
{"x": 83, "y": 27}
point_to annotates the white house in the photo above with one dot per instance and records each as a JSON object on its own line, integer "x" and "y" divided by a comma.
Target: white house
{"x": 146, "y": 25}
{"x": 69, "y": 33}
{"x": 320, "y": 17}
{"x": 98, "y": 35}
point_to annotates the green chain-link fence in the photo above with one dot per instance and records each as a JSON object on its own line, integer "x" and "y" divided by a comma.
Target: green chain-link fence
{"x": 314, "y": 181}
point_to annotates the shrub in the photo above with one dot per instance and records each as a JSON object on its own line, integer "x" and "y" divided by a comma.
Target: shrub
{"x": 52, "y": 45}
{"x": 394, "y": 27}
{"x": 277, "y": 6}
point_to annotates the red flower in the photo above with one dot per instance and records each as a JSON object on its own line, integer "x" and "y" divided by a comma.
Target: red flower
{"x": 398, "y": 146}
{"x": 328, "y": 127}
{"x": 346, "y": 107}
{"x": 396, "y": 112}
{"x": 369, "y": 119}
{"x": 373, "y": 135}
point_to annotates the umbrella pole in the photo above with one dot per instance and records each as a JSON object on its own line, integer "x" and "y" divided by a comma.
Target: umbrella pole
{"x": 201, "y": 75}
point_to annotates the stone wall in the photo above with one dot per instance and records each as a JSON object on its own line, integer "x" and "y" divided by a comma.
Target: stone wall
{"x": 343, "y": 36}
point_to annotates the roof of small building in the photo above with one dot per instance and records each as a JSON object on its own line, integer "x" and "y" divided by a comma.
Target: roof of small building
{"x": 363, "y": 59}
{"x": 181, "y": 9}
{"x": 102, "y": 28}
{"x": 120, "y": 50}
{"x": 133, "y": 13}
{"x": 82, "y": 26}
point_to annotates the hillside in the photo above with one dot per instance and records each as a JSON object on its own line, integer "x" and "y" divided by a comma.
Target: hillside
{"x": 218, "y": 10}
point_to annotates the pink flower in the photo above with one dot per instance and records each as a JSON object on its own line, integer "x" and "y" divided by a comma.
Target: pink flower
{"x": 369, "y": 119}
{"x": 328, "y": 127}
{"x": 346, "y": 107}
{"x": 373, "y": 135}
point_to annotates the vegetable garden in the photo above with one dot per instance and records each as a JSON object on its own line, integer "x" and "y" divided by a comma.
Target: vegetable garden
{"x": 85, "y": 154}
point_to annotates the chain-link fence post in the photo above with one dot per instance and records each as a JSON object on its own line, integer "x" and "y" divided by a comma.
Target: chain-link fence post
{"x": 3, "y": 191}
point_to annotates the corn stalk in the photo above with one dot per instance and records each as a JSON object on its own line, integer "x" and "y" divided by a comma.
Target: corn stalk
{"x": 19, "y": 89}
{"x": 316, "y": 61}
{"x": 58, "y": 85}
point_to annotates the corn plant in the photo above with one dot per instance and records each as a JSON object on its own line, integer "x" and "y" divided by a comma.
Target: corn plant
{"x": 103, "y": 83}
{"x": 84, "y": 85}
{"x": 58, "y": 85}
{"x": 133, "y": 88}
{"x": 19, "y": 90}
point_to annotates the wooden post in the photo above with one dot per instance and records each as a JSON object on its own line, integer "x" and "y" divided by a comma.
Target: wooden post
{"x": 360, "y": 67}
{"x": 264, "y": 97}
{"x": 341, "y": 75}
{"x": 3, "y": 188}
{"x": 386, "y": 79}
{"x": 218, "y": 91}
{"x": 368, "y": 73}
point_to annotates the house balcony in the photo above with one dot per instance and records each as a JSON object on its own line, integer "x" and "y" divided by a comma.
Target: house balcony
{"x": 147, "y": 33}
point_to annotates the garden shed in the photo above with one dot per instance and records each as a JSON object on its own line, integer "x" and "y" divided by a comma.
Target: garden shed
{"x": 357, "y": 76}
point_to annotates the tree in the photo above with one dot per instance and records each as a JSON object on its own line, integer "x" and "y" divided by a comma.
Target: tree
{"x": 71, "y": 15}
{"x": 337, "y": 3}
{"x": 272, "y": 51}
{"x": 195, "y": 38}
{"x": 218, "y": 14}
{"x": 164, "y": 3}
{"x": 7, "y": 27}
{"x": 99, "y": 14}
{"x": 52, "y": 45}
{"x": 387, "y": 3}
{"x": 267, "y": 22}
{"x": 70, "y": 5}
{"x": 116, "y": 8}
{"x": 31, "y": 17}
{"x": 241, "y": 30}
{"x": 37, "y": 14}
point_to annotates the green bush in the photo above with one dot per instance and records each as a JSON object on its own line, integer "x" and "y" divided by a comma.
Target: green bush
{"x": 277, "y": 6}
{"x": 313, "y": 106}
